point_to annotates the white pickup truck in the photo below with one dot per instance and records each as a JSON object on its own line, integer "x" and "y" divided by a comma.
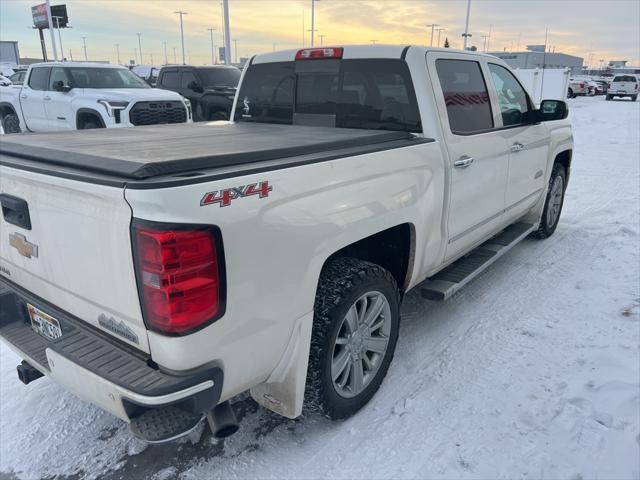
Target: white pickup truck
{"x": 158, "y": 272}
{"x": 79, "y": 96}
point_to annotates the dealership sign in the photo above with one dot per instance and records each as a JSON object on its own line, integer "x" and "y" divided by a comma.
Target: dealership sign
{"x": 41, "y": 20}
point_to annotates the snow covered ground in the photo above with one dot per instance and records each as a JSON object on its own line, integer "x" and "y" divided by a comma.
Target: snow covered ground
{"x": 532, "y": 371}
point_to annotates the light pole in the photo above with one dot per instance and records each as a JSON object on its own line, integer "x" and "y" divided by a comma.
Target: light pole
{"x": 118, "y": 53}
{"x": 166, "y": 60}
{"x": 322, "y": 39}
{"x": 227, "y": 33}
{"x": 489, "y": 36}
{"x": 135, "y": 54}
{"x": 466, "y": 33}
{"x": 373, "y": 41}
{"x": 175, "y": 56}
{"x": 60, "y": 37}
{"x": 235, "y": 44}
{"x": 484, "y": 42}
{"x": 313, "y": 19}
{"x": 181, "y": 13}
{"x": 440, "y": 30}
{"x": 213, "y": 50}
{"x": 53, "y": 37}
{"x": 84, "y": 45}
{"x": 140, "y": 48}
{"x": 433, "y": 26}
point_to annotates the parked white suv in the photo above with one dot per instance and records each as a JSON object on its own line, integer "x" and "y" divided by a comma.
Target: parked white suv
{"x": 77, "y": 96}
{"x": 623, "y": 86}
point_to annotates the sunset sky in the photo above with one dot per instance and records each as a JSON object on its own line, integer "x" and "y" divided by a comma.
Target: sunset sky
{"x": 600, "y": 30}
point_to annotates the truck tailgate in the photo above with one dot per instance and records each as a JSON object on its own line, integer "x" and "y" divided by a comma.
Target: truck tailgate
{"x": 76, "y": 254}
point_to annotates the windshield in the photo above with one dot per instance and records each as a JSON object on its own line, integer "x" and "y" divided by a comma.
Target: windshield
{"x": 368, "y": 94}
{"x": 105, "y": 78}
{"x": 219, "y": 77}
{"x": 625, "y": 78}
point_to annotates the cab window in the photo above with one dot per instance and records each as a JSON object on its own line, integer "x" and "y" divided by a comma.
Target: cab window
{"x": 170, "y": 79}
{"x": 187, "y": 78}
{"x": 465, "y": 95}
{"x": 39, "y": 78}
{"x": 57, "y": 75}
{"x": 514, "y": 103}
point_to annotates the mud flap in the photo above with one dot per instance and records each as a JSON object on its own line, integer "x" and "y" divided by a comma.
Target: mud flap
{"x": 283, "y": 392}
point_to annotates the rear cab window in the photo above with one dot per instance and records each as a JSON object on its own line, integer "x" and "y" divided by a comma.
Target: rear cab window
{"x": 625, "y": 78}
{"x": 366, "y": 94}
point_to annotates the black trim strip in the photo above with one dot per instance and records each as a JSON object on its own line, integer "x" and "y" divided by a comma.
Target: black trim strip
{"x": 403, "y": 55}
{"x": 216, "y": 174}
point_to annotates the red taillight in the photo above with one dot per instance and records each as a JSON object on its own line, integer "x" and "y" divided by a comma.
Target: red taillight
{"x": 581, "y": 85}
{"x": 180, "y": 276}
{"x": 317, "y": 53}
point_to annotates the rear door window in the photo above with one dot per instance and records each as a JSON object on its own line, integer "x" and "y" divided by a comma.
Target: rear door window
{"x": 39, "y": 78}
{"x": 58, "y": 75}
{"x": 465, "y": 95}
{"x": 170, "y": 79}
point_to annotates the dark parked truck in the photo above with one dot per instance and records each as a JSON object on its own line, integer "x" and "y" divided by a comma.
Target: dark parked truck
{"x": 158, "y": 272}
{"x": 210, "y": 89}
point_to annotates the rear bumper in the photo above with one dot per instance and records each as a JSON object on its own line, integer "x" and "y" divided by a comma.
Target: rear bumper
{"x": 98, "y": 368}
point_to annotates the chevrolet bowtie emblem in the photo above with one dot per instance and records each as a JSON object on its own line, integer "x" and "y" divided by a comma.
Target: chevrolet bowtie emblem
{"x": 24, "y": 247}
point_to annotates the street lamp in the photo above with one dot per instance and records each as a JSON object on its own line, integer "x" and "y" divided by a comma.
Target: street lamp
{"x": 313, "y": 19}
{"x": 140, "y": 48}
{"x": 181, "y": 13}
{"x": 433, "y": 26}
{"x": 213, "y": 51}
{"x": 166, "y": 60}
{"x": 440, "y": 30}
{"x": 84, "y": 44}
{"x": 322, "y": 39}
{"x": 466, "y": 33}
{"x": 118, "y": 53}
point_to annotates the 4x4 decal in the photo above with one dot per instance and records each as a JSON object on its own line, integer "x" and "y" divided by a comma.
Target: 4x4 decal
{"x": 224, "y": 197}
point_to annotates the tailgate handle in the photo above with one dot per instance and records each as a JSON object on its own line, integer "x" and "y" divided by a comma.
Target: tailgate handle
{"x": 15, "y": 211}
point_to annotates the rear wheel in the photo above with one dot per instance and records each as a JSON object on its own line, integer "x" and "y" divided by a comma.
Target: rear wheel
{"x": 11, "y": 123}
{"x": 553, "y": 203}
{"x": 357, "y": 315}
{"x": 634, "y": 98}
{"x": 609, "y": 97}
{"x": 570, "y": 93}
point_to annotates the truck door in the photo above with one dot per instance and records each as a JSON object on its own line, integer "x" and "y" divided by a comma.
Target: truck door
{"x": 32, "y": 98}
{"x": 478, "y": 153}
{"x": 528, "y": 143}
{"x": 188, "y": 79}
{"x": 58, "y": 107}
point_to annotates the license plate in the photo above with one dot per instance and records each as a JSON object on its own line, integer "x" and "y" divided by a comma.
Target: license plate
{"x": 621, "y": 91}
{"x": 43, "y": 323}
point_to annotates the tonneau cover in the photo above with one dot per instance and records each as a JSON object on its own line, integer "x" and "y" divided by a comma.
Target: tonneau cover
{"x": 144, "y": 152}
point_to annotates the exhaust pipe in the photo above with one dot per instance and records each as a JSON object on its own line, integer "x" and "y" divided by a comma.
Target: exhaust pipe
{"x": 222, "y": 420}
{"x": 27, "y": 374}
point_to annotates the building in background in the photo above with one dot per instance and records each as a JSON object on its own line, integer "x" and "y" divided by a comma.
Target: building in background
{"x": 9, "y": 52}
{"x": 535, "y": 57}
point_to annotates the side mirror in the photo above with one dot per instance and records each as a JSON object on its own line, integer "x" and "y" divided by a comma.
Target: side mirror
{"x": 195, "y": 86}
{"x": 552, "y": 110}
{"x": 59, "y": 86}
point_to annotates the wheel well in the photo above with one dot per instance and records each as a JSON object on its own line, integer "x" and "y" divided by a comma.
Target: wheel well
{"x": 84, "y": 116}
{"x": 6, "y": 109}
{"x": 564, "y": 158}
{"x": 392, "y": 249}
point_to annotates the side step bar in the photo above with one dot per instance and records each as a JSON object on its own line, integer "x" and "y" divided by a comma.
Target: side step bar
{"x": 448, "y": 281}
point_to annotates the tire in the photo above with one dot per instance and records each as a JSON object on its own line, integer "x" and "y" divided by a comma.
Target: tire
{"x": 348, "y": 285}
{"x": 554, "y": 201}
{"x": 570, "y": 94}
{"x": 213, "y": 116}
{"x": 609, "y": 97}
{"x": 90, "y": 125}
{"x": 11, "y": 123}
{"x": 634, "y": 98}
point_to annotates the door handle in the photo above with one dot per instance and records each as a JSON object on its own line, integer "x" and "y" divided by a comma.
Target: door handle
{"x": 47, "y": 98}
{"x": 24, "y": 97}
{"x": 517, "y": 147}
{"x": 463, "y": 162}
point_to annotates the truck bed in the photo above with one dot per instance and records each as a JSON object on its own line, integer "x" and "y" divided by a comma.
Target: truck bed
{"x": 122, "y": 156}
